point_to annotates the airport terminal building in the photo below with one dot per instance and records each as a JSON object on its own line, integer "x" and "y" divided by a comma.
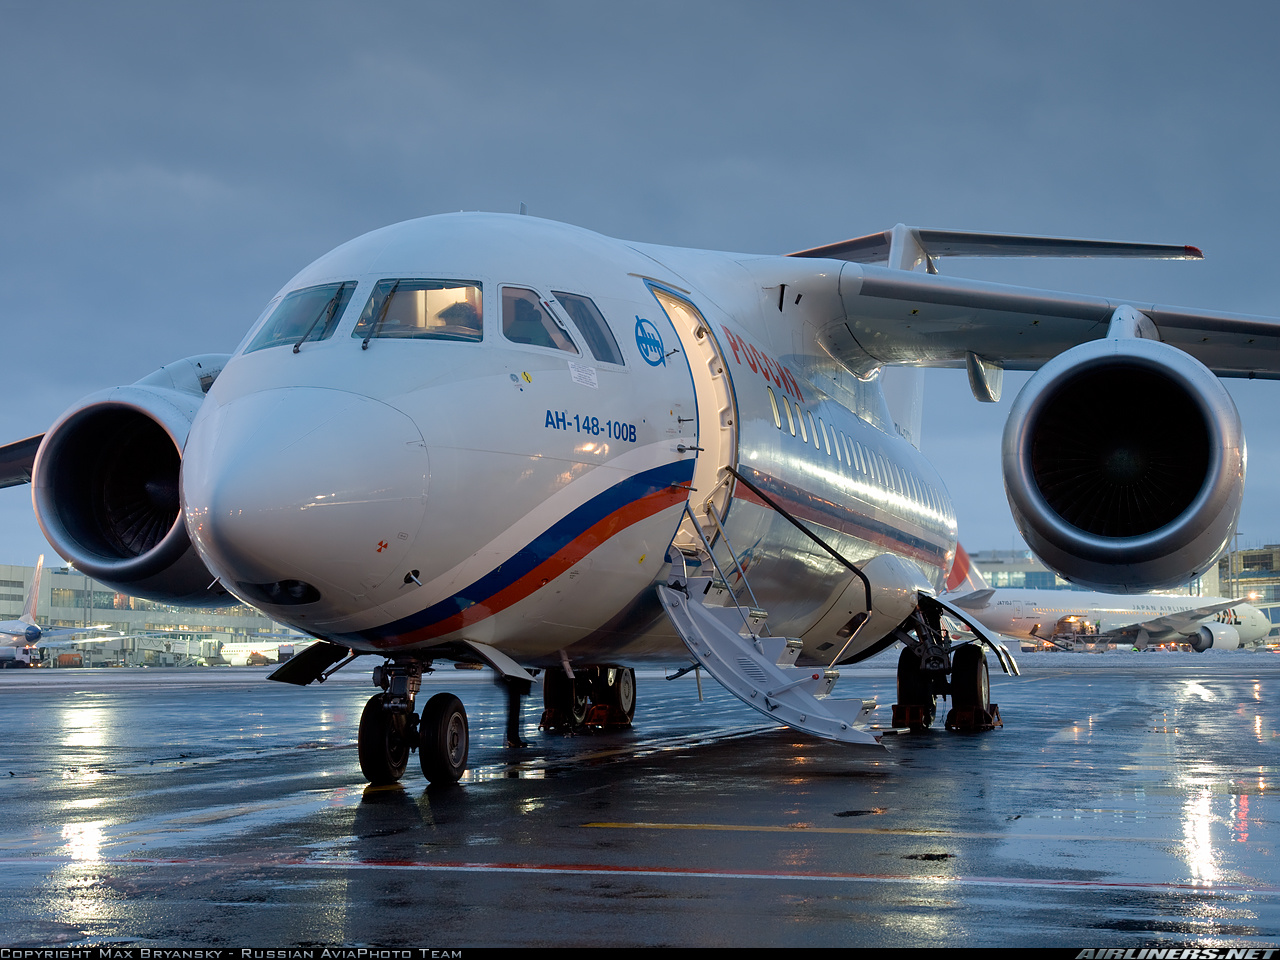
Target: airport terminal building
{"x": 177, "y": 635}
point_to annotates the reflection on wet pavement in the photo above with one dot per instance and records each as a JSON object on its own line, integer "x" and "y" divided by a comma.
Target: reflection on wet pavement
{"x": 1125, "y": 801}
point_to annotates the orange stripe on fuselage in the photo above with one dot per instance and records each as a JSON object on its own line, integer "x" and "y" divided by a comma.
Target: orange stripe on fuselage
{"x": 556, "y": 564}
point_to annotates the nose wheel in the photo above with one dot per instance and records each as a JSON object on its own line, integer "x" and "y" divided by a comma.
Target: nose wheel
{"x": 443, "y": 739}
{"x": 385, "y": 741}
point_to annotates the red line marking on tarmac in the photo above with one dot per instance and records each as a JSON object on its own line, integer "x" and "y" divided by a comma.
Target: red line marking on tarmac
{"x": 590, "y": 869}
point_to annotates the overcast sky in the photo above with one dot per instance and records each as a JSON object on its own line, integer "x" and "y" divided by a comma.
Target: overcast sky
{"x": 166, "y": 167}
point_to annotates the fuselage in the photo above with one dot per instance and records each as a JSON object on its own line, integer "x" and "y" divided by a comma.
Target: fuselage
{"x": 492, "y": 425}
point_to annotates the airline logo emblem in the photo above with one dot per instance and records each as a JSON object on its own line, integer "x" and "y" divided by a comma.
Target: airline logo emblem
{"x": 649, "y": 340}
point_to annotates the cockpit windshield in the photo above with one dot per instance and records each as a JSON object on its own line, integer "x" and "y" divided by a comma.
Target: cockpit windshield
{"x": 311, "y": 313}
{"x": 422, "y": 309}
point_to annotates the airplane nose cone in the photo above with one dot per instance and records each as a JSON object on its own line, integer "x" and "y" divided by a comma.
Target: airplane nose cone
{"x": 304, "y": 498}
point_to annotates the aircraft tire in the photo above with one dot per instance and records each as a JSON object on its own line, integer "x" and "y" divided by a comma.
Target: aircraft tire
{"x": 970, "y": 679}
{"x": 443, "y": 739}
{"x": 383, "y": 743}
{"x": 914, "y": 689}
{"x": 624, "y": 693}
{"x": 566, "y": 698}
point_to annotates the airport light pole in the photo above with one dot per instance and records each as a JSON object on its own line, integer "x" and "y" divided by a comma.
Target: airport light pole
{"x": 1232, "y": 574}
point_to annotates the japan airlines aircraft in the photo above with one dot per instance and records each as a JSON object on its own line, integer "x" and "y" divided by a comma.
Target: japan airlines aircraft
{"x": 242, "y": 653}
{"x": 507, "y": 441}
{"x": 1061, "y": 616}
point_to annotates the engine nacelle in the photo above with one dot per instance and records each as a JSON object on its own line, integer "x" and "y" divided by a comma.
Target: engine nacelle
{"x": 1124, "y": 465}
{"x": 1215, "y": 636}
{"x": 106, "y": 485}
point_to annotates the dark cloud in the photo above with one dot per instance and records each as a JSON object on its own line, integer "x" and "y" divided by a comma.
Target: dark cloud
{"x": 168, "y": 166}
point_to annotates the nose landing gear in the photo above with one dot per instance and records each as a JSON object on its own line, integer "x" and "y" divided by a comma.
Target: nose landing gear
{"x": 390, "y": 729}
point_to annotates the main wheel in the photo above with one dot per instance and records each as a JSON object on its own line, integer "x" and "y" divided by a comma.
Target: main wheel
{"x": 970, "y": 680}
{"x": 915, "y": 688}
{"x": 443, "y": 739}
{"x": 566, "y": 697}
{"x": 615, "y": 688}
{"x": 383, "y": 743}
{"x": 624, "y": 693}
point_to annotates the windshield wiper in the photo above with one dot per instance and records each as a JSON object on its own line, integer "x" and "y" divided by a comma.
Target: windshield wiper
{"x": 326, "y": 313}
{"x": 382, "y": 315}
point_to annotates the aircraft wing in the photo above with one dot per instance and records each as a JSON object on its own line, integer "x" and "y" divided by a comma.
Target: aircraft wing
{"x": 52, "y": 633}
{"x": 17, "y": 459}
{"x": 61, "y": 644}
{"x": 46, "y": 633}
{"x": 1182, "y": 623}
{"x": 895, "y": 315}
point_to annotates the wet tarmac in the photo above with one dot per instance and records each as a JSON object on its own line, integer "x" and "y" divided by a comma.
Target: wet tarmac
{"x": 1125, "y": 803}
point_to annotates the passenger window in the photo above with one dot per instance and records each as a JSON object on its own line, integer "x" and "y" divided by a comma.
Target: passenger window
{"x": 804, "y": 434}
{"x": 422, "y": 310}
{"x": 813, "y": 428}
{"x": 525, "y": 320}
{"x": 308, "y": 314}
{"x": 591, "y": 324}
{"x": 790, "y": 420}
{"x": 773, "y": 402}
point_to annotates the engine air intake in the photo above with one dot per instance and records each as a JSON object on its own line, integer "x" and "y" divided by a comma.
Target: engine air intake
{"x": 1124, "y": 465}
{"x": 1109, "y": 472}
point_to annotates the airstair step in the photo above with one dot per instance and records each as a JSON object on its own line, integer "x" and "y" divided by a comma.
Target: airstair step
{"x": 761, "y": 671}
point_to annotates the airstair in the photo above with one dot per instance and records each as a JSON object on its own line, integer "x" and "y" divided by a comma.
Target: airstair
{"x": 731, "y": 643}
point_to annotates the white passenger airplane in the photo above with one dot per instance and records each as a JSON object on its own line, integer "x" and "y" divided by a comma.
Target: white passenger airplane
{"x": 1060, "y": 617}
{"x": 253, "y": 653}
{"x": 504, "y": 440}
{"x": 21, "y": 636}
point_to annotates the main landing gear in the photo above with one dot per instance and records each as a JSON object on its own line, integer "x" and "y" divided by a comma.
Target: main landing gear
{"x": 598, "y": 696}
{"x": 390, "y": 730}
{"x": 926, "y": 659}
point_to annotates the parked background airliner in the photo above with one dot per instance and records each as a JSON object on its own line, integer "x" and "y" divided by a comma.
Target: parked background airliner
{"x": 1063, "y": 616}
{"x": 18, "y": 638}
{"x": 503, "y": 440}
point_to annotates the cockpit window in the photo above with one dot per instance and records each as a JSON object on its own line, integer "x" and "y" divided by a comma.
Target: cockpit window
{"x": 423, "y": 309}
{"x": 591, "y": 324}
{"x": 525, "y": 320}
{"x": 311, "y": 313}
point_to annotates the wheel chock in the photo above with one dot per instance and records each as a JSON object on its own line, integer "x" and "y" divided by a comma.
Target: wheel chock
{"x": 909, "y": 715}
{"x": 973, "y": 719}
{"x": 553, "y": 719}
{"x": 599, "y": 716}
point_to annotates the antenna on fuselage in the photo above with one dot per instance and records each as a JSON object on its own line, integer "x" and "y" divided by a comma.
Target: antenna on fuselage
{"x": 524, "y": 211}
